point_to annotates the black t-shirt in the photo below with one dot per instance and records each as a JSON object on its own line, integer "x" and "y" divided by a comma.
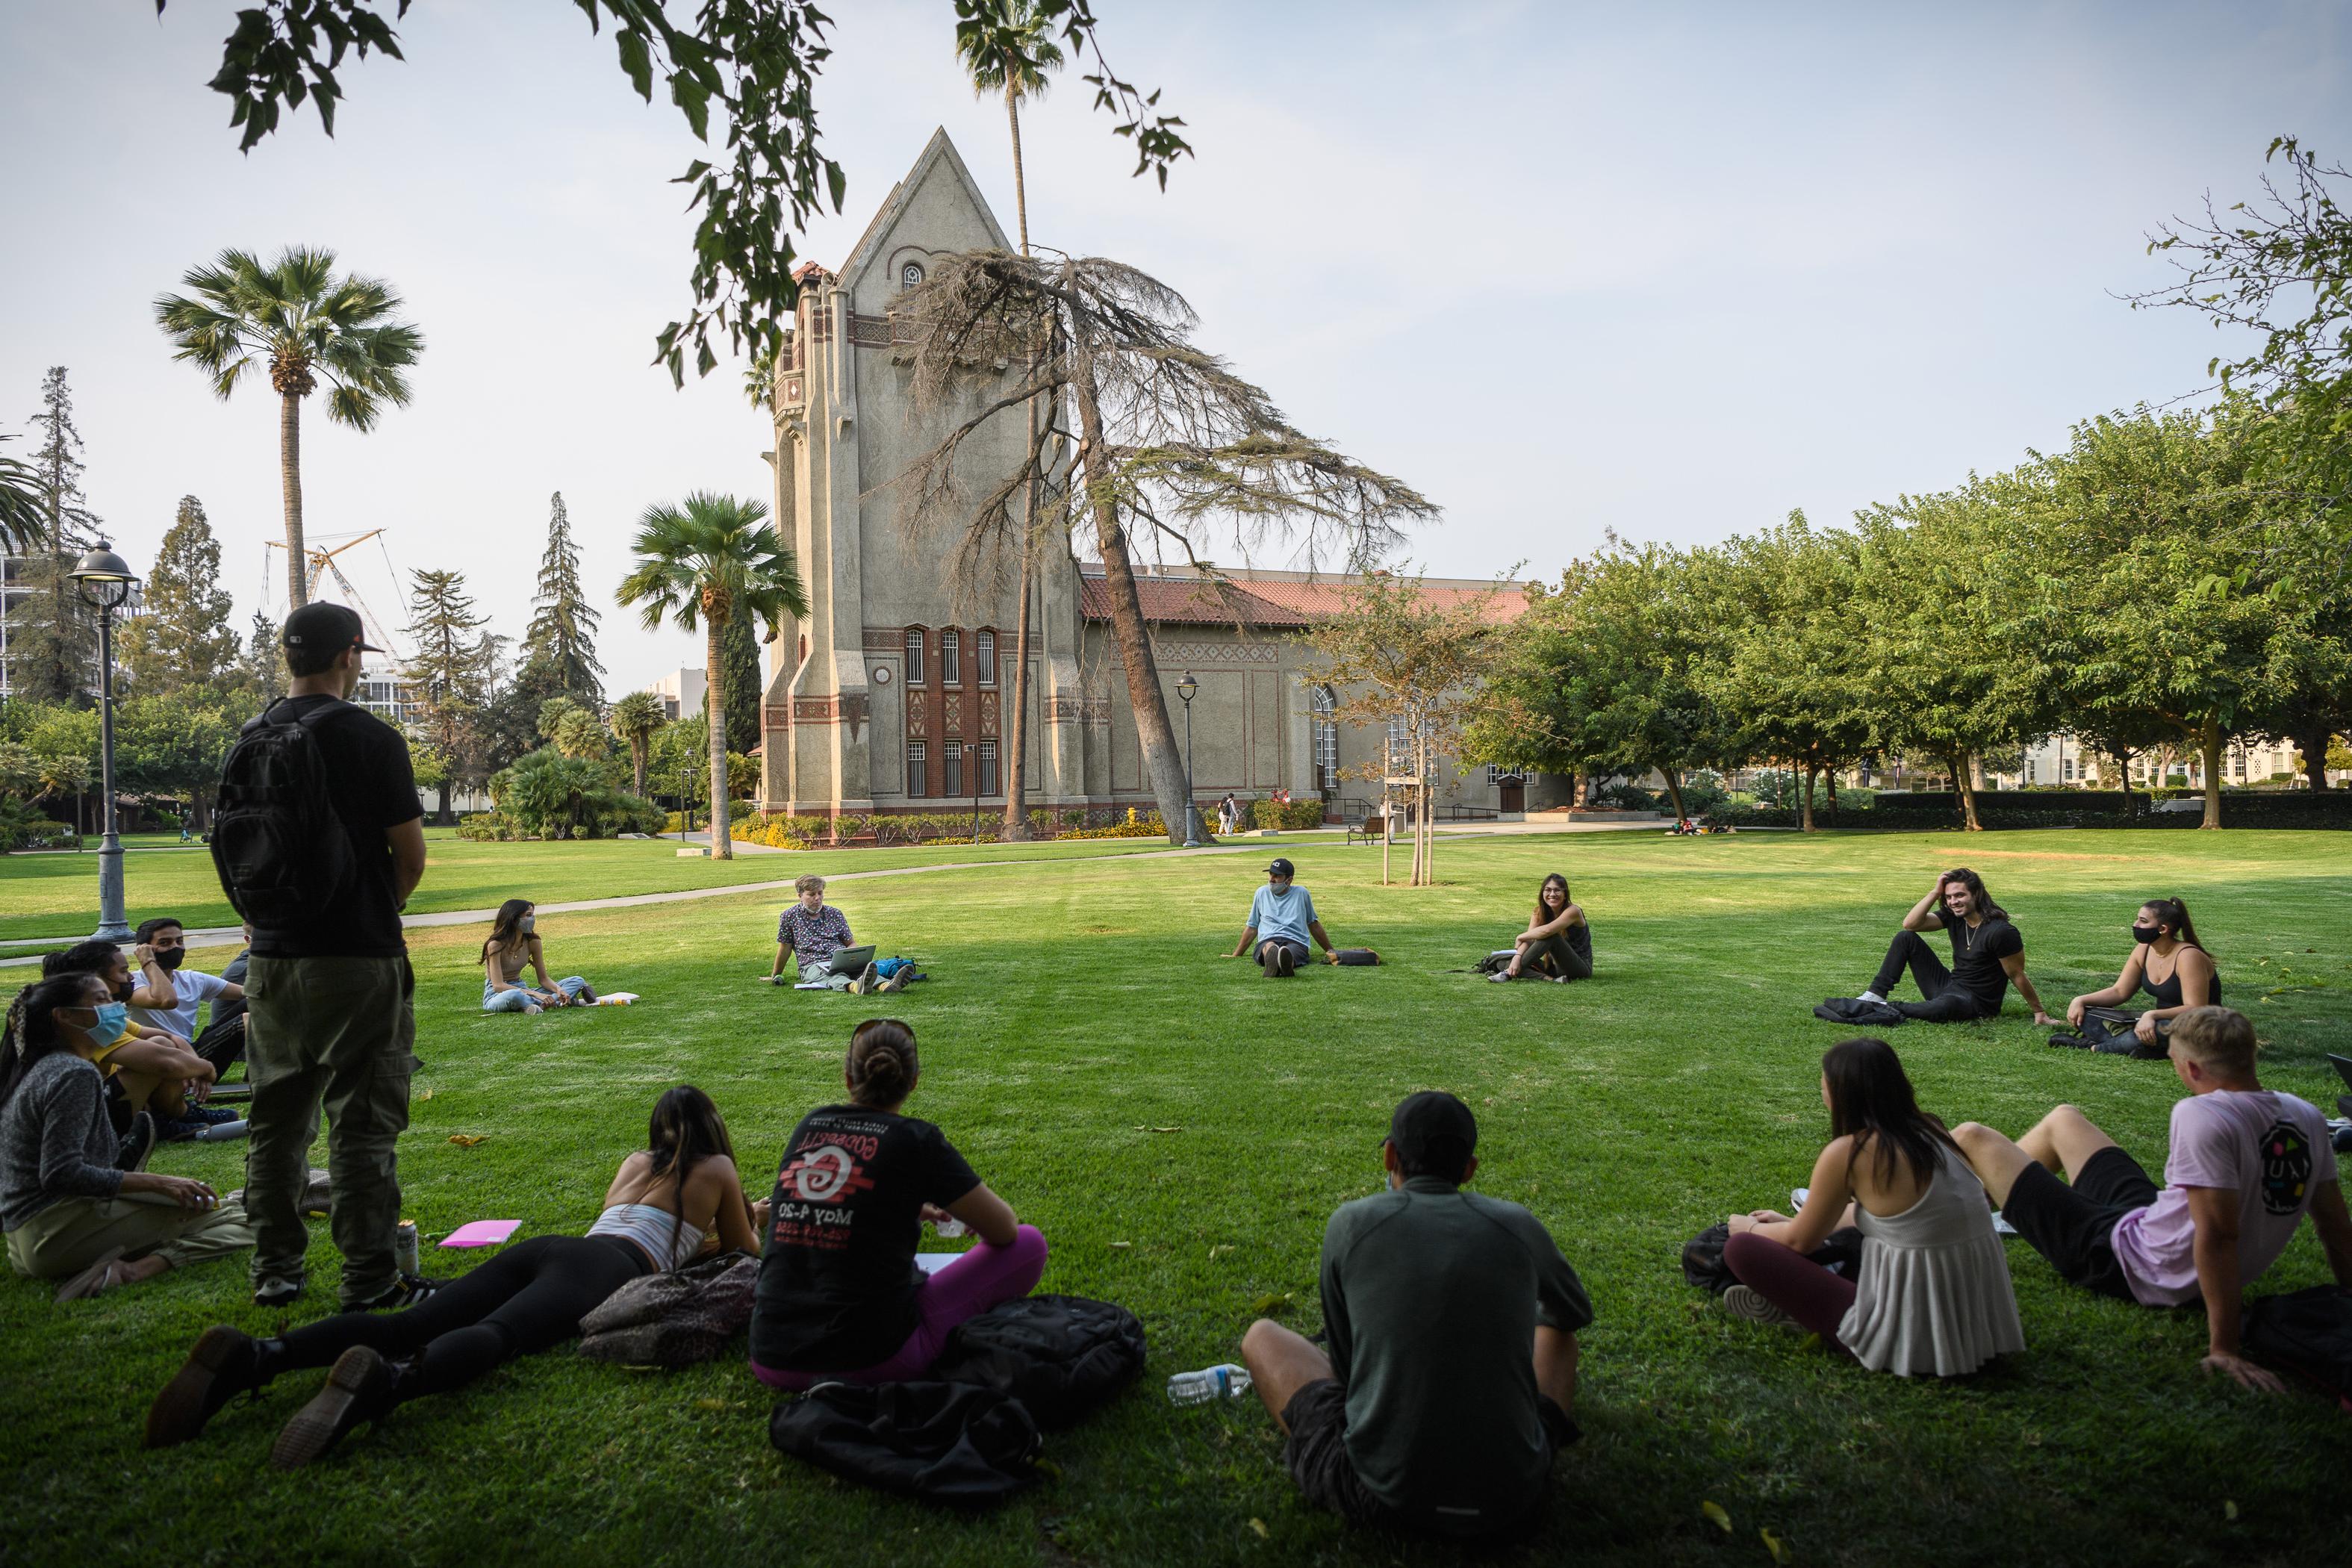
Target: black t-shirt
{"x": 372, "y": 787}
{"x": 837, "y": 1276}
{"x": 1976, "y": 954}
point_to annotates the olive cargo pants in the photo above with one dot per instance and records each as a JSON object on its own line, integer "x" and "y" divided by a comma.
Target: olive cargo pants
{"x": 337, "y": 1034}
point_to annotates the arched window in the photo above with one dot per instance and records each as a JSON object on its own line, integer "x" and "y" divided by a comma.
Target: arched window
{"x": 1326, "y": 740}
{"x": 984, "y": 654}
{"x": 951, "y": 659}
{"x": 911, "y": 275}
{"x": 914, "y": 656}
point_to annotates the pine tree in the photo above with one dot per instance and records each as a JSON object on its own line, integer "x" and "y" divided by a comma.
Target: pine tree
{"x": 261, "y": 671}
{"x": 746, "y": 685}
{"x": 183, "y": 637}
{"x": 52, "y": 635}
{"x": 454, "y": 671}
{"x": 561, "y": 640}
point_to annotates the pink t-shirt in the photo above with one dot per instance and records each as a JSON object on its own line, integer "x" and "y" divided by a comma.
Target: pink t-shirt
{"x": 2271, "y": 1147}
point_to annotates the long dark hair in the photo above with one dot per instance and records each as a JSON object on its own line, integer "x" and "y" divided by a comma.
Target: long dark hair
{"x": 1543, "y": 913}
{"x": 1975, "y": 884}
{"x": 2175, "y": 913}
{"x": 507, "y": 930}
{"x": 687, "y": 1130}
{"x": 1871, "y": 1099}
{"x": 32, "y": 1028}
{"x": 882, "y": 1064}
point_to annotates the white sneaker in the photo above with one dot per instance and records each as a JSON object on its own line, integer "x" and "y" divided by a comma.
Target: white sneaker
{"x": 1742, "y": 1302}
{"x": 1871, "y": 996}
{"x": 1499, "y": 976}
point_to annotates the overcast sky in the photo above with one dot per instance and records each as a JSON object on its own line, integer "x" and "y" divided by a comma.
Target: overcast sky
{"x": 1670, "y": 270}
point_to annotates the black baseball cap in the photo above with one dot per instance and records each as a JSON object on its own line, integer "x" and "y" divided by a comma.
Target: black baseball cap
{"x": 1280, "y": 867}
{"x": 1426, "y": 1123}
{"x": 320, "y": 624}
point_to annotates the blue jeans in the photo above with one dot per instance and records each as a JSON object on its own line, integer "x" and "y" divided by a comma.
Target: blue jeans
{"x": 515, "y": 1000}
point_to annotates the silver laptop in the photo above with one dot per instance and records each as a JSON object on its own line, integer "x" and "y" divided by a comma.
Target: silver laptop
{"x": 851, "y": 960}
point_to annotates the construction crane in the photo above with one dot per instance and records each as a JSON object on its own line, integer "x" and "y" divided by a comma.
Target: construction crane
{"x": 322, "y": 563}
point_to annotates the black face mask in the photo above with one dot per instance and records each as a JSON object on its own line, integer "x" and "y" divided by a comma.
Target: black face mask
{"x": 2147, "y": 934}
{"x": 171, "y": 959}
{"x": 124, "y": 991}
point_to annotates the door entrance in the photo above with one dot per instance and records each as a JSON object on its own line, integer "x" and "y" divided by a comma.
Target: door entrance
{"x": 1511, "y": 794}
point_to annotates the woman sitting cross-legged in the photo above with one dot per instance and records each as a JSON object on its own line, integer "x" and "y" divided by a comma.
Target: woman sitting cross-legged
{"x": 73, "y": 1199}
{"x": 2167, "y": 961}
{"x": 1933, "y": 1296}
{"x": 675, "y": 1199}
{"x": 513, "y": 945}
{"x": 841, "y": 1299}
{"x": 1557, "y": 942}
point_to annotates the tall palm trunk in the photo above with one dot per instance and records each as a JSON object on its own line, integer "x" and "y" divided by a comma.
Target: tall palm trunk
{"x": 714, "y": 708}
{"x": 289, "y": 474}
{"x": 638, "y": 767}
{"x": 1016, "y": 723}
{"x": 1153, "y": 734}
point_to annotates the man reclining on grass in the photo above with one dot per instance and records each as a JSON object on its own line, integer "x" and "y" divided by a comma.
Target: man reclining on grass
{"x": 1450, "y": 1367}
{"x": 2245, "y": 1164}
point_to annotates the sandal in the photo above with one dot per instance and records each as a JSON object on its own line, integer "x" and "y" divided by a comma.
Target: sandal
{"x": 100, "y": 1276}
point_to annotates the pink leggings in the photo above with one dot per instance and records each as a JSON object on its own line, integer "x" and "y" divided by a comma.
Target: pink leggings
{"x": 1799, "y": 1286}
{"x": 983, "y": 1278}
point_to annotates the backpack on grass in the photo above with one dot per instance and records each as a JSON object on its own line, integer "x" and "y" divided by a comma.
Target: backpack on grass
{"x": 281, "y": 852}
{"x": 943, "y": 1442}
{"x": 1840, "y": 1253}
{"x": 2308, "y": 1333}
{"x": 1061, "y": 1356}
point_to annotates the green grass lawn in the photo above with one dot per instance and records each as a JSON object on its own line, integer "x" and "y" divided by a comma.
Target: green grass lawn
{"x": 1181, "y": 1128}
{"x": 56, "y": 894}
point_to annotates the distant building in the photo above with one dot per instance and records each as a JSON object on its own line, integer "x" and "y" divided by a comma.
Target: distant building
{"x": 2065, "y": 761}
{"x": 682, "y": 692}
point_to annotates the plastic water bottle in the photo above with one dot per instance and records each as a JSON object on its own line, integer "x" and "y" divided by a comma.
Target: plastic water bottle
{"x": 1223, "y": 1382}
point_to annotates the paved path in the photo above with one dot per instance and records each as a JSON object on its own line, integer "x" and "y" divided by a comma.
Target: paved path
{"x": 215, "y": 936}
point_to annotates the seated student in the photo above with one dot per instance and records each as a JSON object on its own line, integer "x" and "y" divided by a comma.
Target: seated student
{"x": 222, "y": 1040}
{"x": 678, "y": 1197}
{"x": 2245, "y": 1164}
{"x": 1933, "y": 1297}
{"x": 1987, "y": 954}
{"x": 513, "y": 943}
{"x": 841, "y": 1299}
{"x": 1557, "y": 942}
{"x": 2162, "y": 938}
{"x": 155, "y": 1072}
{"x": 1281, "y": 919}
{"x": 73, "y": 1198}
{"x": 1450, "y": 1368}
{"x": 810, "y": 931}
{"x": 174, "y": 991}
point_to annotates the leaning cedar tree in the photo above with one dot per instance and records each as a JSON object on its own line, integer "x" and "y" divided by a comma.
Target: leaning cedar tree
{"x": 1170, "y": 450}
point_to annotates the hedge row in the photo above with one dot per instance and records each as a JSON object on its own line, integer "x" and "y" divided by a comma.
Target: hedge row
{"x": 2108, "y": 808}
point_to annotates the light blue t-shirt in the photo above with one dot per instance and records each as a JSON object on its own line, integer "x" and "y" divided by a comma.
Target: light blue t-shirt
{"x": 1283, "y": 916}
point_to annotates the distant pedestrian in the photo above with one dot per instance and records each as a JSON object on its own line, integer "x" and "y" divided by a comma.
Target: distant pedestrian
{"x": 1229, "y": 815}
{"x": 320, "y": 868}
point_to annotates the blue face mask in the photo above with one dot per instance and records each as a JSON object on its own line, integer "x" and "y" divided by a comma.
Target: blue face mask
{"x": 113, "y": 1018}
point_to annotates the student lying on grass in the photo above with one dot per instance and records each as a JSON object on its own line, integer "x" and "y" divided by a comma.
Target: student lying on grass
{"x": 1933, "y": 1296}
{"x": 666, "y": 1203}
{"x": 1445, "y": 1386}
{"x": 514, "y": 944}
{"x": 1988, "y": 953}
{"x": 841, "y": 1299}
{"x": 73, "y": 1198}
{"x": 2245, "y": 1164}
{"x": 1557, "y": 942}
{"x": 2162, "y": 940}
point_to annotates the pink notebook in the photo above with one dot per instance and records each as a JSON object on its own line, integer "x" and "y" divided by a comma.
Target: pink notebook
{"x": 482, "y": 1233}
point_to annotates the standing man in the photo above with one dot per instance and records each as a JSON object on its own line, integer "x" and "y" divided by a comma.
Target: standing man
{"x": 1281, "y": 919}
{"x": 329, "y": 1021}
{"x": 1988, "y": 953}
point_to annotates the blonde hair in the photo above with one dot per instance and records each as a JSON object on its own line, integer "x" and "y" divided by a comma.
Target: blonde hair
{"x": 811, "y": 883}
{"x": 2221, "y": 1038}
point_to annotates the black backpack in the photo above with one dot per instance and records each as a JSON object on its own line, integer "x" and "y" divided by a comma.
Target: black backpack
{"x": 1840, "y": 1253}
{"x": 2308, "y": 1333}
{"x": 1061, "y": 1356}
{"x": 943, "y": 1442}
{"x": 283, "y": 858}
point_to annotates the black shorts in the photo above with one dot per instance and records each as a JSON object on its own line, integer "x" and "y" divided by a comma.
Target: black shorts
{"x": 2070, "y": 1225}
{"x": 1317, "y": 1453}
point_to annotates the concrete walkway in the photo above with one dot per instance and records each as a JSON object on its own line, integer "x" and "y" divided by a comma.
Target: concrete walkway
{"x": 216, "y": 936}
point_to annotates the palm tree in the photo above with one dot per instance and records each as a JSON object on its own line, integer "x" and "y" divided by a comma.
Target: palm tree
{"x": 304, "y": 321}
{"x": 1007, "y": 47}
{"x": 638, "y": 719}
{"x": 714, "y": 560}
{"x": 24, "y": 514}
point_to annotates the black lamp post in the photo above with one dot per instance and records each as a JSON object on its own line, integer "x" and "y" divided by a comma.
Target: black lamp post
{"x": 104, "y": 581}
{"x": 1189, "y": 688}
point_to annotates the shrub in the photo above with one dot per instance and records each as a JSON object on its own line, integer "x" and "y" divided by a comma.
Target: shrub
{"x": 1294, "y": 815}
{"x": 549, "y": 795}
{"x": 1620, "y": 795}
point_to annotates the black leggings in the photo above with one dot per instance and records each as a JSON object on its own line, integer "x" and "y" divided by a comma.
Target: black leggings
{"x": 1940, "y": 1002}
{"x": 530, "y": 1298}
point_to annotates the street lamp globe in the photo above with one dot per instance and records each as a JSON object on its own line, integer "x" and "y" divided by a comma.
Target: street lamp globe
{"x": 102, "y": 578}
{"x": 1188, "y": 689}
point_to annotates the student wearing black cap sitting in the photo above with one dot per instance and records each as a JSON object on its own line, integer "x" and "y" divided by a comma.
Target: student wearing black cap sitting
{"x": 1281, "y": 919}
{"x": 1445, "y": 1386}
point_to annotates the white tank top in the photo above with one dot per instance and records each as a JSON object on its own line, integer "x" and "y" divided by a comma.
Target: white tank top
{"x": 651, "y": 1228}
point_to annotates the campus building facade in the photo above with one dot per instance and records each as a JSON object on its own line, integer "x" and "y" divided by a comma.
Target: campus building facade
{"x": 892, "y": 694}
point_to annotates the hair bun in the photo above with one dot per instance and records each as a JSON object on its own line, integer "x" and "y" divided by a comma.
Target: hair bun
{"x": 882, "y": 1066}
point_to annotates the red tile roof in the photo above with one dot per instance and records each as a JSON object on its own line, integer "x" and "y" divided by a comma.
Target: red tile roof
{"x": 1258, "y": 602}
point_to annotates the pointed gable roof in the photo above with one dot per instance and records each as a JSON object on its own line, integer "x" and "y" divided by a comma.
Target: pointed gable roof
{"x": 939, "y": 160}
